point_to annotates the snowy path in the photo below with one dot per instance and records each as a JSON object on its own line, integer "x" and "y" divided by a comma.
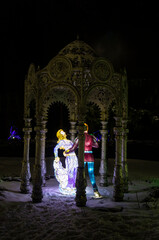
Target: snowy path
{"x": 58, "y": 217}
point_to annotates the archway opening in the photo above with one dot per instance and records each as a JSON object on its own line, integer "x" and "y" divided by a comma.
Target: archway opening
{"x": 58, "y": 118}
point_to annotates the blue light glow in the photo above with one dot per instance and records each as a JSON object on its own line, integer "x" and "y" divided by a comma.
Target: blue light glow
{"x": 13, "y": 134}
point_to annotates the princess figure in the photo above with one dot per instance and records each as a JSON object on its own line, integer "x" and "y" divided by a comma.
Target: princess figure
{"x": 65, "y": 176}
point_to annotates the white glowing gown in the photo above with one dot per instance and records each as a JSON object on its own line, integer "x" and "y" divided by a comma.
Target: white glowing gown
{"x": 66, "y": 176}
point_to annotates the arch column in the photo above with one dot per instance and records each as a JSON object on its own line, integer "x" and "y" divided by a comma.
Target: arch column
{"x": 25, "y": 172}
{"x": 118, "y": 174}
{"x": 81, "y": 198}
{"x": 124, "y": 154}
{"x": 103, "y": 164}
{"x": 72, "y": 130}
{"x": 40, "y": 165}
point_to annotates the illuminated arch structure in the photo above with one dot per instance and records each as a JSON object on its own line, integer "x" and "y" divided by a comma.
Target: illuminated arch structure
{"x": 75, "y": 77}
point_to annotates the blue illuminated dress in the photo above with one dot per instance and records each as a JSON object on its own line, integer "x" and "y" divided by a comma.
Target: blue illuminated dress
{"x": 66, "y": 176}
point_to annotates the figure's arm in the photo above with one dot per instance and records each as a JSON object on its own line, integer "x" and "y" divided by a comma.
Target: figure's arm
{"x": 56, "y": 150}
{"x": 74, "y": 146}
{"x": 95, "y": 143}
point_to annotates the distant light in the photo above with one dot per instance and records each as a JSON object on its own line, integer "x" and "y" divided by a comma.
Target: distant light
{"x": 156, "y": 118}
{"x": 13, "y": 134}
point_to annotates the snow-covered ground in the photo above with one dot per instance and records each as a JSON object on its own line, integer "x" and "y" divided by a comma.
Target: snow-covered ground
{"x": 58, "y": 217}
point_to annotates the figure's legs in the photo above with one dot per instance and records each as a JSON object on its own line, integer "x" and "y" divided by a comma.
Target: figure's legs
{"x": 91, "y": 175}
{"x": 92, "y": 178}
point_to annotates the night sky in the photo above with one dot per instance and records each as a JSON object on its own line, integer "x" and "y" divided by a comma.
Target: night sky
{"x": 35, "y": 31}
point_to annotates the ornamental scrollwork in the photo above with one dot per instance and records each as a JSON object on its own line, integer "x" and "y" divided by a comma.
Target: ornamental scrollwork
{"x": 44, "y": 79}
{"x": 81, "y": 79}
{"x": 31, "y": 75}
{"x": 59, "y": 68}
{"x": 79, "y": 53}
{"x": 101, "y": 96}
{"x": 102, "y": 70}
{"x": 59, "y": 94}
{"x": 115, "y": 81}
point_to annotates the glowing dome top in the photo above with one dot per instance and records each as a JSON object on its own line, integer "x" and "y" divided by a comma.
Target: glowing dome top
{"x": 79, "y": 53}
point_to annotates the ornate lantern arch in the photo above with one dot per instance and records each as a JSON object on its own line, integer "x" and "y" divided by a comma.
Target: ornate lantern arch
{"x": 56, "y": 93}
{"x": 103, "y": 95}
{"x": 75, "y": 77}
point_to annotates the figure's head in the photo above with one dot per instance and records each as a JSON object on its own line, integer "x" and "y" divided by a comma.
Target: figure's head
{"x": 85, "y": 127}
{"x": 60, "y": 135}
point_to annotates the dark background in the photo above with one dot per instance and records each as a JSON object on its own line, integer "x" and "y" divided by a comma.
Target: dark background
{"x": 126, "y": 32}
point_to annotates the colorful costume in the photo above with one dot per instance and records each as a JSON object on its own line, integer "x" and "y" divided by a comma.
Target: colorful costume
{"x": 66, "y": 176}
{"x": 90, "y": 141}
